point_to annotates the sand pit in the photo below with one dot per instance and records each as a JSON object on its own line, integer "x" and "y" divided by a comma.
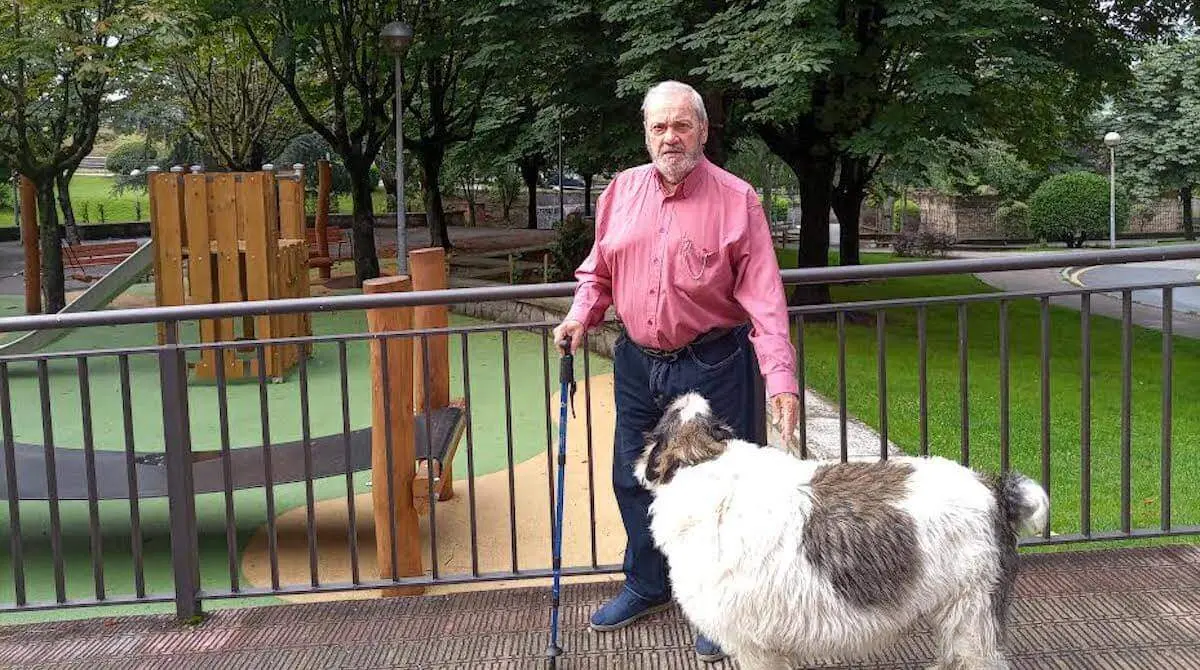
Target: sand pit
{"x": 493, "y": 525}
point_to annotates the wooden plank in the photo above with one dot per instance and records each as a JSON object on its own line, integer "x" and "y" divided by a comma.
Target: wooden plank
{"x": 224, "y": 220}
{"x": 168, "y": 240}
{"x": 200, "y": 287}
{"x": 291, "y": 209}
{"x": 260, "y": 257}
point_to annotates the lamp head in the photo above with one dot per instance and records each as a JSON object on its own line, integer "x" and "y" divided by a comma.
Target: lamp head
{"x": 396, "y": 37}
{"x": 1112, "y": 139}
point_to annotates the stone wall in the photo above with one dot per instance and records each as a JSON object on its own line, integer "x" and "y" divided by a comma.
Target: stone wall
{"x": 1163, "y": 216}
{"x": 974, "y": 217}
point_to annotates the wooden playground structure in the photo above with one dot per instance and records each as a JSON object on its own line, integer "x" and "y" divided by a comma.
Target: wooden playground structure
{"x": 228, "y": 237}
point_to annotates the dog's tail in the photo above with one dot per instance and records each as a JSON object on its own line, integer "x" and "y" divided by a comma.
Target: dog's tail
{"x": 1023, "y": 503}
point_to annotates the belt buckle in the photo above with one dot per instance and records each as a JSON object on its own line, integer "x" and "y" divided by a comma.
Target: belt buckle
{"x": 663, "y": 354}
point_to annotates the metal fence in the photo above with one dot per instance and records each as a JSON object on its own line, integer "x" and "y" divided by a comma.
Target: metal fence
{"x": 117, "y": 522}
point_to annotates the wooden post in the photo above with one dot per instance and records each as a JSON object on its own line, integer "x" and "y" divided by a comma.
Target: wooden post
{"x": 429, "y": 274}
{"x": 428, "y": 268}
{"x": 405, "y": 536}
{"x": 324, "y": 185}
{"x": 33, "y": 252}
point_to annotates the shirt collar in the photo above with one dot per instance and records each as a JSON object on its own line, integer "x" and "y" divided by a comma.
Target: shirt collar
{"x": 690, "y": 182}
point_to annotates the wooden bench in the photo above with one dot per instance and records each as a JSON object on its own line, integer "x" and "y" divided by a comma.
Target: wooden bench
{"x": 334, "y": 239}
{"x": 98, "y": 253}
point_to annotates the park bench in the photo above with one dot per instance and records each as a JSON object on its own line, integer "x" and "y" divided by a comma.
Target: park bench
{"x": 334, "y": 239}
{"x": 98, "y": 253}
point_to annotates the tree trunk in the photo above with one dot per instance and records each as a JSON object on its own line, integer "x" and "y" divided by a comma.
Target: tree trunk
{"x": 53, "y": 279}
{"x": 366, "y": 262}
{"x": 848, "y": 207}
{"x": 529, "y": 172}
{"x": 63, "y": 181}
{"x": 810, "y": 156}
{"x": 716, "y": 104}
{"x": 848, "y": 197}
{"x": 431, "y": 165}
{"x": 587, "y": 194}
{"x": 1185, "y": 196}
{"x": 815, "y": 173}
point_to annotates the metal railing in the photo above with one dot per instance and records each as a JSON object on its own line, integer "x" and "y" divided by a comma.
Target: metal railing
{"x": 497, "y": 526}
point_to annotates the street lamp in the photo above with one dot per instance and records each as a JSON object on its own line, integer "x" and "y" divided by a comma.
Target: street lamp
{"x": 396, "y": 37}
{"x": 1111, "y": 140}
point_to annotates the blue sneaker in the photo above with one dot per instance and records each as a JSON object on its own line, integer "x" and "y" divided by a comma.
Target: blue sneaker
{"x": 707, "y": 650}
{"x": 623, "y": 610}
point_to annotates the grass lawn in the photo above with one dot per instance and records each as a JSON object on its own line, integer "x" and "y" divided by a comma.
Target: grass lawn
{"x": 95, "y": 202}
{"x": 1025, "y": 420}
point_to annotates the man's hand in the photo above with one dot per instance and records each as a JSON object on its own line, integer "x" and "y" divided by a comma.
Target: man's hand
{"x": 785, "y": 407}
{"x": 571, "y": 330}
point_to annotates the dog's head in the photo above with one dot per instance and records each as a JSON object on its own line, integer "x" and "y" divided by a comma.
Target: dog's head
{"x": 687, "y": 434}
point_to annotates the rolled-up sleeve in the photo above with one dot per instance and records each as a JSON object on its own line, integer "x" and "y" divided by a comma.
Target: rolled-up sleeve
{"x": 758, "y": 288}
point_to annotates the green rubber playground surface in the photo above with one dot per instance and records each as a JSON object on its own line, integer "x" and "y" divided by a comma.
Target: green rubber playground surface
{"x": 528, "y": 388}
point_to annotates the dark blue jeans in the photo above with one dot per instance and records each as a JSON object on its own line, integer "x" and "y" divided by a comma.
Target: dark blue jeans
{"x": 725, "y": 371}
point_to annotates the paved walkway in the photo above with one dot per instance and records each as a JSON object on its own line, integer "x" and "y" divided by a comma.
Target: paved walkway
{"x": 1131, "y": 608}
{"x": 1147, "y": 305}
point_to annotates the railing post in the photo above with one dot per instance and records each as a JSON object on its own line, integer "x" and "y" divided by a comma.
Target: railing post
{"x": 172, "y": 370}
{"x": 760, "y": 409}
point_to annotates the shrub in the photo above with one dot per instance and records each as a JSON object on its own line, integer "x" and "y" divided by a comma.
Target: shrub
{"x": 923, "y": 243}
{"x": 780, "y": 207}
{"x": 1073, "y": 208}
{"x": 1013, "y": 218}
{"x": 129, "y": 156}
{"x": 571, "y": 245}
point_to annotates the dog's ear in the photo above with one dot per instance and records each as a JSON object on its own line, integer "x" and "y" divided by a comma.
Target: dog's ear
{"x": 656, "y": 442}
{"x": 683, "y": 437}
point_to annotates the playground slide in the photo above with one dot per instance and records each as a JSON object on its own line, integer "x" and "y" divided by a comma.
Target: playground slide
{"x": 96, "y": 296}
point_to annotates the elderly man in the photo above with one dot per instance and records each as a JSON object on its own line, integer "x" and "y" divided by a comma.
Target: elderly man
{"x": 684, "y": 253}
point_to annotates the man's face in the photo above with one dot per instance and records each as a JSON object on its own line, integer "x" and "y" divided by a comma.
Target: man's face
{"x": 675, "y": 137}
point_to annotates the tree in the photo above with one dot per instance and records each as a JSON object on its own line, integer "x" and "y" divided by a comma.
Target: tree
{"x": 657, "y": 36}
{"x": 329, "y": 60}
{"x": 58, "y": 63}
{"x": 1159, "y": 120}
{"x": 236, "y": 109}
{"x": 449, "y": 70}
{"x": 1074, "y": 207}
{"x": 834, "y": 88}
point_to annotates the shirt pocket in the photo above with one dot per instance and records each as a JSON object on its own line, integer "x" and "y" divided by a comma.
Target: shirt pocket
{"x": 697, "y": 260}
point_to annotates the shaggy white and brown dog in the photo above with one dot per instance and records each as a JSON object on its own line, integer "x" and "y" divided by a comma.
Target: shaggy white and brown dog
{"x": 781, "y": 560}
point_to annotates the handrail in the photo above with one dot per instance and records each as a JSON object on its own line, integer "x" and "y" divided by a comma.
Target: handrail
{"x": 1031, "y": 261}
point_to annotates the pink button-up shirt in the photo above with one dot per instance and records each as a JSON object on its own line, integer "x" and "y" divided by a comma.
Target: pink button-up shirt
{"x": 675, "y": 267}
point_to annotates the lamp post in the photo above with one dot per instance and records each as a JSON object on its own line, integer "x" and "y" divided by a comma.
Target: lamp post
{"x": 1111, "y": 140}
{"x": 396, "y": 37}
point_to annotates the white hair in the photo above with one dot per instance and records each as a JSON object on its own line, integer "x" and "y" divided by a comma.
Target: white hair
{"x": 668, "y": 88}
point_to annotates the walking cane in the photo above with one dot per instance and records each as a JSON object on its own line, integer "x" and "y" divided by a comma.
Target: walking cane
{"x": 566, "y": 377}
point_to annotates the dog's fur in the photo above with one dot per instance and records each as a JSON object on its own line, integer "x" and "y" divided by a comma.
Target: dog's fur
{"x": 781, "y": 560}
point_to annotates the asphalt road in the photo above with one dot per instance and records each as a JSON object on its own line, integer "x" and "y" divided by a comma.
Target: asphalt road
{"x": 1186, "y": 299}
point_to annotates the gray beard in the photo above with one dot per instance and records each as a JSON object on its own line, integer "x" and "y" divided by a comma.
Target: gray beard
{"x": 676, "y": 172}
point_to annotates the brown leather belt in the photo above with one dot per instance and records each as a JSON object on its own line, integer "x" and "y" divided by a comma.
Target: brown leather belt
{"x": 670, "y": 354}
